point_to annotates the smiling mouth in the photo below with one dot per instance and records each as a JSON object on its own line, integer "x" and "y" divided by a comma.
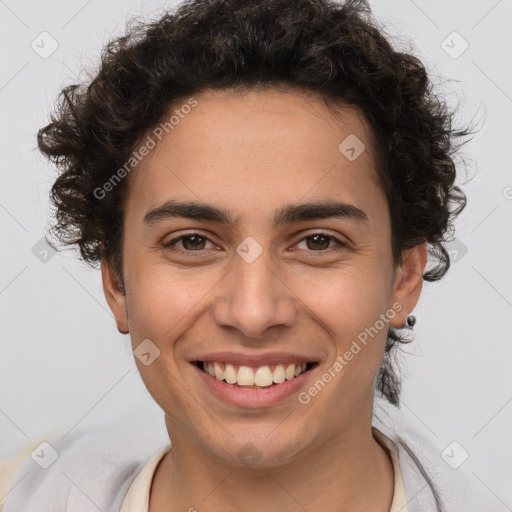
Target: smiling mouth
{"x": 254, "y": 378}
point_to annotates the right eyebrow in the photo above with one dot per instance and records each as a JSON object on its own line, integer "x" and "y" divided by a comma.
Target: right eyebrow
{"x": 189, "y": 210}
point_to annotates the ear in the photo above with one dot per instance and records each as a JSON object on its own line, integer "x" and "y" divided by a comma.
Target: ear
{"x": 115, "y": 295}
{"x": 408, "y": 282}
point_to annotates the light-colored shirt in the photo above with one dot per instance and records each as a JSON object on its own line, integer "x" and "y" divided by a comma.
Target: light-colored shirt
{"x": 137, "y": 498}
{"x": 138, "y": 493}
{"x": 111, "y": 468}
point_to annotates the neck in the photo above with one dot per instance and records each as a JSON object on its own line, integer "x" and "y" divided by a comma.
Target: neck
{"x": 350, "y": 472}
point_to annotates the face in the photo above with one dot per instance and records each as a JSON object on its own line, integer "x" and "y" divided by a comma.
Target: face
{"x": 261, "y": 279}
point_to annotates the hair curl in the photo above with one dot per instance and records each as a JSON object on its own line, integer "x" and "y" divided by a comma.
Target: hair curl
{"x": 335, "y": 50}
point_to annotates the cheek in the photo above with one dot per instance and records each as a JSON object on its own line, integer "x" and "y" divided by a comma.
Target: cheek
{"x": 163, "y": 306}
{"x": 351, "y": 309}
{"x": 161, "y": 300}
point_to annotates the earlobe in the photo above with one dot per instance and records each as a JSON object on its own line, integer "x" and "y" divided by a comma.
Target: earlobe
{"x": 408, "y": 283}
{"x": 115, "y": 296}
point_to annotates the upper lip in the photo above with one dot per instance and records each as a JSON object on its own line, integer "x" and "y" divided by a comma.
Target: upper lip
{"x": 254, "y": 360}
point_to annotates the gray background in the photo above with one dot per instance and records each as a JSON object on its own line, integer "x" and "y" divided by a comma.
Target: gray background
{"x": 63, "y": 363}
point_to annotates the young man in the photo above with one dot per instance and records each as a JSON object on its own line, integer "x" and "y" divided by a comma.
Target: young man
{"x": 261, "y": 182}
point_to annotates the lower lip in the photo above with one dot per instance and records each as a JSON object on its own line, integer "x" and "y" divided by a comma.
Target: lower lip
{"x": 254, "y": 398}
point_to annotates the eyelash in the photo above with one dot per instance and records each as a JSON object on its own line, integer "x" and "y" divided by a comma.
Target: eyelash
{"x": 168, "y": 245}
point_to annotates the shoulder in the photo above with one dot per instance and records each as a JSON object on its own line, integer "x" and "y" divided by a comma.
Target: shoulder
{"x": 430, "y": 482}
{"x": 77, "y": 471}
{"x": 9, "y": 469}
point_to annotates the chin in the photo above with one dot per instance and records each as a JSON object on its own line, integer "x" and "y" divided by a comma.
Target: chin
{"x": 261, "y": 451}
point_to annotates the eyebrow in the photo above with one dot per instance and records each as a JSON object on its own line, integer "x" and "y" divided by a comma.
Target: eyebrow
{"x": 287, "y": 214}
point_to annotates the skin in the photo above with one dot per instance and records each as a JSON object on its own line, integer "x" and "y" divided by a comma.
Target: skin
{"x": 251, "y": 154}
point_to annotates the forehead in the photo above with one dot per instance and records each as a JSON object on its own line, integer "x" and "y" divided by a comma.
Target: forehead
{"x": 256, "y": 148}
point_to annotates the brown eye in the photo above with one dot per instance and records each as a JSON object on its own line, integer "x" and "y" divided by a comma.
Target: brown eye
{"x": 193, "y": 242}
{"x": 318, "y": 242}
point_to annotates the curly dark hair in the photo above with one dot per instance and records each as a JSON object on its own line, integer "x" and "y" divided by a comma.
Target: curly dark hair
{"x": 337, "y": 51}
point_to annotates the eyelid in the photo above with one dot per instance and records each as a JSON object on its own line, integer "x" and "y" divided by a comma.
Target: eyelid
{"x": 340, "y": 243}
{"x": 185, "y": 235}
{"x": 336, "y": 238}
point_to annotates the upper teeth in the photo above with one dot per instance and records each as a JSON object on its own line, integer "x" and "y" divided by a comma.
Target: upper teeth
{"x": 247, "y": 376}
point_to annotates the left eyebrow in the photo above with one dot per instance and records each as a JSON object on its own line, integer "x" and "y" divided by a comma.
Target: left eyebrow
{"x": 319, "y": 211}
{"x": 287, "y": 214}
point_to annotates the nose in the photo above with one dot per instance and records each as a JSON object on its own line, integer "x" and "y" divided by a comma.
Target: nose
{"x": 254, "y": 297}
